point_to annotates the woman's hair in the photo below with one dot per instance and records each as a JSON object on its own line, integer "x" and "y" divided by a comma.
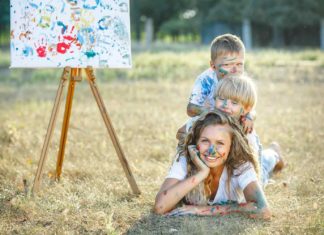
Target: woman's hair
{"x": 226, "y": 43}
{"x": 239, "y": 88}
{"x": 240, "y": 152}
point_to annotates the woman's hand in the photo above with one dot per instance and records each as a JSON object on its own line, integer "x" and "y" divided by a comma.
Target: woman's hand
{"x": 195, "y": 158}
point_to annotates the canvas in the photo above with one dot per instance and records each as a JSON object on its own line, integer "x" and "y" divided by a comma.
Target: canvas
{"x": 75, "y": 33}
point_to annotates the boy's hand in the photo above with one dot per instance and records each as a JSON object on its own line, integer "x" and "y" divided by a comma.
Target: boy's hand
{"x": 247, "y": 124}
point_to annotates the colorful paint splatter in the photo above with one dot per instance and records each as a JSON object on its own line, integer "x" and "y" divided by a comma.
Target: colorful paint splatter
{"x": 76, "y": 33}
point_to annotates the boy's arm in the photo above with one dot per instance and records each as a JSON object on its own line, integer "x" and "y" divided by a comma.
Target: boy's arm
{"x": 195, "y": 110}
{"x": 181, "y": 132}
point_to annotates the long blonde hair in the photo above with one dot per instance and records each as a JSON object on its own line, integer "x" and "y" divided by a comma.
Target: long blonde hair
{"x": 240, "y": 152}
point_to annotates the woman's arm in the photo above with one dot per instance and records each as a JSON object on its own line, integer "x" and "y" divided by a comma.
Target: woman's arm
{"x": 256, "y": 206}
{"x": 254, "y": 193}
{"x": 214, "y": 210}
{"x": 173, "y": 190}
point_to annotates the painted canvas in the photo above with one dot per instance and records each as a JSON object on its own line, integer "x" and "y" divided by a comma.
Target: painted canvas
{"x": 76, "y": 33}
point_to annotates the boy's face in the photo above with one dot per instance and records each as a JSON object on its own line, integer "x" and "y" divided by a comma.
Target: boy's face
{"x": 228, "y": 64}
{"x": 231, "y": 107}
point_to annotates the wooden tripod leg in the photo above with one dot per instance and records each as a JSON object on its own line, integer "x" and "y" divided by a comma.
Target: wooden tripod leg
{"x": 50, "y": 129}
{"x": 111, "y": 131}
{"x": 66, "y": 121}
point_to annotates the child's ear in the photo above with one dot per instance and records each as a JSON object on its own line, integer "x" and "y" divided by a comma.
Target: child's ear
{"x": 247, "y": 110}
{"x": 212, "y": 65}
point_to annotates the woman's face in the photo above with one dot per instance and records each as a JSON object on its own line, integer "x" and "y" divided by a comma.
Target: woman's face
{"x": 214, "y": 144}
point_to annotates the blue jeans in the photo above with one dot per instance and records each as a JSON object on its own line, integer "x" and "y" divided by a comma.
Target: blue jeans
{"x": 268, "y": 161}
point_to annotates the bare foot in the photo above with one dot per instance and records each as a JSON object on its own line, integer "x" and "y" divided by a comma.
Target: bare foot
{"x": 280, "y": 164}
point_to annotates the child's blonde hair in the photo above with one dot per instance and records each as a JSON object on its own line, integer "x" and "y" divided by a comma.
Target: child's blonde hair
{"x": 239, "y": 88}
{"x": 226, "y": 43}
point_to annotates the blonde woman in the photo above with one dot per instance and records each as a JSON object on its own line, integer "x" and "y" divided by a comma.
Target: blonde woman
{"x": 218, "y": 166}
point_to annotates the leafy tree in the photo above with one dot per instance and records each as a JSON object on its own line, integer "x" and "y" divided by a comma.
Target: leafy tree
{"x": 285, "y": 14}
{"x": 163, "y": 10}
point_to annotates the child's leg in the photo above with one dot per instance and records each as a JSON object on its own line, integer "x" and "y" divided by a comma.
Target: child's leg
{"x": 271, "y": 162}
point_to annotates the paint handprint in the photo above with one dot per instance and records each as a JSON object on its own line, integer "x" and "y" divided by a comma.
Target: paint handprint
{"x": 68, "y": 39}
{"x": 41, "y": 48}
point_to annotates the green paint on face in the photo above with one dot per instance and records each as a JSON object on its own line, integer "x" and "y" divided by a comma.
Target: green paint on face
{"x": 222, "y": 71}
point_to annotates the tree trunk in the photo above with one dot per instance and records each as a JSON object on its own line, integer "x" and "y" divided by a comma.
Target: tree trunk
{"x": 277, "y": 37}
{"x": 149, "y": 30}
{"x": 322, "y": 34}
{"x": 246, "y": 33}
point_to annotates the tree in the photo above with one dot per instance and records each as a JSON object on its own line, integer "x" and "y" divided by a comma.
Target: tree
{"x": 285, "y": 14}
{"x": 162, "y": 10}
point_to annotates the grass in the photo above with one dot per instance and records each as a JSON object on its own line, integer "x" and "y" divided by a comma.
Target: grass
{"x": 147, "y": 105}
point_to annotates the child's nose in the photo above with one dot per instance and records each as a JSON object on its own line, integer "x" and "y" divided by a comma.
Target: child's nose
{"x": 234, "y": 69}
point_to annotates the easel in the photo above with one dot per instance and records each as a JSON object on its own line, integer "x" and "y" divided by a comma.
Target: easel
{"x": 75, "y": 76}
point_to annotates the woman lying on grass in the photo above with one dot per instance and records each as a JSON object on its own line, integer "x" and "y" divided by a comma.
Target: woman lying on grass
{"x": 216, "y": 175}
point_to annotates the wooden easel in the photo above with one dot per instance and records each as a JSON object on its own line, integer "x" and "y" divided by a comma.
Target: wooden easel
{"x": 75, "y": 76}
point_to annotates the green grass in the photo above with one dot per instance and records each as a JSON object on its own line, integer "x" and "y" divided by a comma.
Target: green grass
{"x": 147, "y": 105}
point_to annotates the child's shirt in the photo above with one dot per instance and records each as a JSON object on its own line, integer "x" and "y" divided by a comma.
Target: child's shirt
{"x": 242, "y": 176}
{"x": 204, "y": 89}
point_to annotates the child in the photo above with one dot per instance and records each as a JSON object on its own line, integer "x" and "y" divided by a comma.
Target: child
{"x": 236, "y": 96}
{"x": 217, "y": 166}
{"x": 227, "y": 58}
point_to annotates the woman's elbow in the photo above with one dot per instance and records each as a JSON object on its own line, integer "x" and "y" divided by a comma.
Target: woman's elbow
{"x": 159, "y": 206}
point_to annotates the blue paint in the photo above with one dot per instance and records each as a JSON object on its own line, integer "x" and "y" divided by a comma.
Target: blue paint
{"x": 63, "y": 6}
{"x": 103, "y": 24}
{"x": 89, "y": 6}
{"x": 64, "y": 27}
{"x": 49, "y": 8}
{"x": 27, "y": 51}
{"x": 90, "y": 54}
{"x": 33, "y": 5}
{"x": 206, "y": 86}
{"x": 80, "y": 38}
{"x": 90, "y": 34}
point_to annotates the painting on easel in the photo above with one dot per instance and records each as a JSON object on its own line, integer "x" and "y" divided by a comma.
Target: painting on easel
{"x": 75, "y": 33}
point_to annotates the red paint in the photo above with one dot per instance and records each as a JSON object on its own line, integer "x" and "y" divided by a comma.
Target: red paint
{"x": 62, "y": 47}
{"x": 41, "y": 51}
{"x": 69, "y": 38}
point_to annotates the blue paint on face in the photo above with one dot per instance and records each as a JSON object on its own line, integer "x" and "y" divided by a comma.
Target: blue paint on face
{"x": 224, "y": 103}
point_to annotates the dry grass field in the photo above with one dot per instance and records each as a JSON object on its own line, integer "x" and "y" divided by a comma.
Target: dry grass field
{"x": 147, "y": 105}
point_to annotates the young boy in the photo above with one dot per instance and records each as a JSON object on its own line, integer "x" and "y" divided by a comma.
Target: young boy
{"x": 227, "y": 54}
{"x": 236, "y": 96}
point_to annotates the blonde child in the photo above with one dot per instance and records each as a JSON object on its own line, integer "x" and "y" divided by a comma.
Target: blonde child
{"x": 217, "y": 166}
{"x": 237, "y": 96}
